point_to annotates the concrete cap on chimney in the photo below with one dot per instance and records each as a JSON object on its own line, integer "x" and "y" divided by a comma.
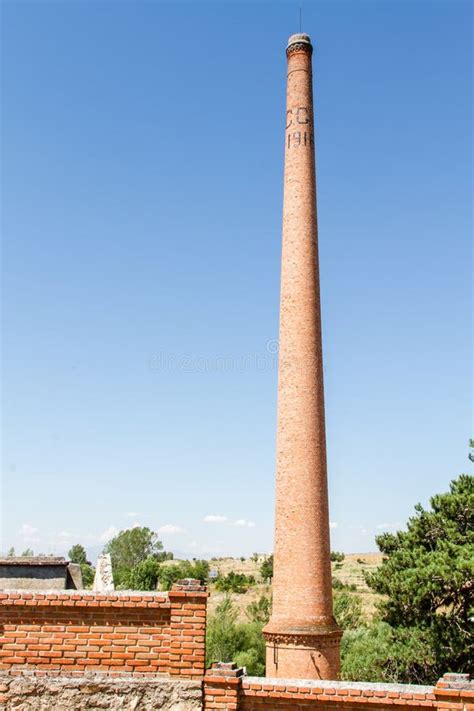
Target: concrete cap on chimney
{"x": 299, "y": 38}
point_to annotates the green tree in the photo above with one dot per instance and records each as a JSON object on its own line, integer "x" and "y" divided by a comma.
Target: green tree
{"x": 144, "y": 576}
{"x": 252, "y": 649}
{"x": 222, "y": 636}
{"x": 77, "y": 554}
{"x": 129, "y": 548}
{"x": 199, "y": 570}
{"x": 380, "y": 652}
{"x": 337, "y": 557}
{"x": 427, "y": 580}
{"x": 28, "y": 553}
{"x": 266, "y": 569}
{"x": 259, "y": 610}
{"x": 230, "y": 641}
{"x": 87, "y": 574}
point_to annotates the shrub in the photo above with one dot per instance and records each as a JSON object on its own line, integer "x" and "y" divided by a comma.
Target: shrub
{"x": 170, "y": 574}
{"x": 144, "y": 576}
{"x": 266, "y": 569}
{"x": 235, "y": 582}
{"x": 259, "y": 610}
{"x": 348, "y": 610}
{"x": 229, "y": 641}
{"x": 340, "y": 585}
{"x": 88, "y": 574}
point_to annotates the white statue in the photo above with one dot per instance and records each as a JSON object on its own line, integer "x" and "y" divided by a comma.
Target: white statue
{"x": 103, "y": 579}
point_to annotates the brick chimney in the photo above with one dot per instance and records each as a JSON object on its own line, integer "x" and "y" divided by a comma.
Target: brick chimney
{"x": 302, "y": 637}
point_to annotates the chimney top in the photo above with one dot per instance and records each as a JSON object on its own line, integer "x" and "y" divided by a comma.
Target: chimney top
{"x": 299, "y": 38}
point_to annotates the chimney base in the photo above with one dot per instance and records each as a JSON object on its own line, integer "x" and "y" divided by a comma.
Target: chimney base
{"x": 303, "y": 654}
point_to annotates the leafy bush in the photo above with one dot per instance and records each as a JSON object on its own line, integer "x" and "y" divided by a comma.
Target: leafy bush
{"x": 222, "y": 636}
{"x": 252, "y": 652}
{"x": 235, "y": 582}
{"x": 337, "y": 557}
{"x": 170, "y": 574}
{"x": 230, "y": 641}
{"x": 348, "y": 610}
{"x": 88, "y": 574}
{"x": 259, "y": 610}
{"x": 340, "y": 585}
{"x": 144, "y": 576}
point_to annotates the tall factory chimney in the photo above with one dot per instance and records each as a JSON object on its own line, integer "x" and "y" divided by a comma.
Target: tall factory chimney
{"x": 302, "y": 637}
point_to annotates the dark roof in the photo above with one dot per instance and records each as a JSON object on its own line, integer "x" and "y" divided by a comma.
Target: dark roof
{"x": 34, "y": 560}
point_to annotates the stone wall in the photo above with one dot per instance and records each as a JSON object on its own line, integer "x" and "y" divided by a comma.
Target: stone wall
{"x": 63, "y": 693}
{"x": 79, "y": 631}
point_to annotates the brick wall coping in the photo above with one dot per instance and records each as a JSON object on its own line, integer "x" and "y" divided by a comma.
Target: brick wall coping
{"x": 124, "y": 599}
{"x": 253, "y": 681}
{"x": 23, "y": 593}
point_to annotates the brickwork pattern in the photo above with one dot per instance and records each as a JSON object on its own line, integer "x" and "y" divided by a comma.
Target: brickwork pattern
{"x": 77, "y": 632}
{"x": 222, "y": 687}
{"x": 187, "y": 641}
{"x": 302, "y": 636}
{"x": 229, "y": 689}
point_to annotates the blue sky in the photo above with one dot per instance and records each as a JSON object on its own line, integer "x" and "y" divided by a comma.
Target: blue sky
{"x": 142, "y": 190}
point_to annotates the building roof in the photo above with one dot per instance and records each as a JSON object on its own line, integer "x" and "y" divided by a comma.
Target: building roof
{"x": 43, "y": 560}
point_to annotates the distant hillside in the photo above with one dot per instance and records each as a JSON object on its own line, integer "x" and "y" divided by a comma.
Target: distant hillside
{"x": 350, "y": 572}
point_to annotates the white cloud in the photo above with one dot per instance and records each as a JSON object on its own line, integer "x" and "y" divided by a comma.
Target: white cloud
{"x": 66, "y": 534}
{"x": 170, "y": 529}
{"x": 333, "y": 524}
{"x": 131, "y": 514}
{"x": 244, "y": 523}
{"x": 214, "y": 518}
{"x": 108, "y": 534}
{"x": 27, "y": 530}
{"x": 389, "y": 526}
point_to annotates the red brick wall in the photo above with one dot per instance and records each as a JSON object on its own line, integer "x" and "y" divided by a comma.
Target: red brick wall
{"x": 74, "y": 632}
{"x": 226, "y": 688}
{"x": 187, "y": 642}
